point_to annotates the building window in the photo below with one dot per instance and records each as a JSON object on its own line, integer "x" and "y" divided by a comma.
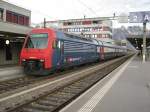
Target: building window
{"x": 14, "y": 18}
{"x": 21, "y": 20}
{"x": 100, "y": 29}
{"x": 88, "y": 35}
{"x": 65, "y": 29}
{"x": 103, "y": 36}
{"x": 78, "y": 29}
{"x": 95, "y": 36}
{"x": 1, "y": 14}
{"x": 107, "y": 29}
{"x": 71, "y": 29}
{"x": 95, "y": 29}
{"x": 79, "y": 23}
{"x": 90, "y": 29}
{"x": 81, "y": 29}
{"x": 95, "y": 22}
{"x": 8, "y": 16}
{"x": 69, "y": 23}
{"x": 26, "y": 21}
{"x": 64, "y": 23}
{"x": 86, "y": 22}
{"x": 106, "y": 36}
{"x": 17, "y": 18}
{"x": 92, "y": 35}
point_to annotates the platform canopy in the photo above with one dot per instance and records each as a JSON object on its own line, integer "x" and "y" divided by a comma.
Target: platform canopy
{"x": 14, "y": 30}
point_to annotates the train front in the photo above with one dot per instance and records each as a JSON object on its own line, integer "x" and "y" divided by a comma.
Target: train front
{"x": 36, "y": 53}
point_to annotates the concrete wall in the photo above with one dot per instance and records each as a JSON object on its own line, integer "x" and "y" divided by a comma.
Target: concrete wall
{"x": 14, "y": 28}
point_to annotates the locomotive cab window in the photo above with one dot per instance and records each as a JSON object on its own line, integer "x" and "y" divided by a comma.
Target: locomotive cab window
{"x": 38, "y": 41}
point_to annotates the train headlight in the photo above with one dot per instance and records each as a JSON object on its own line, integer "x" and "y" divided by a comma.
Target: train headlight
{"x": 23, "y": 59}
{"x": 41, "y": 60}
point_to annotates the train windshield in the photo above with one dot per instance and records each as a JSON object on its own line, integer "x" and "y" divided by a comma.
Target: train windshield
{"x": 38, "y": 41}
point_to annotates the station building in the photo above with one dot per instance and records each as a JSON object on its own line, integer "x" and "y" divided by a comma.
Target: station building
{"x": 99, "y": 27}
{"x": 14, "y": 25}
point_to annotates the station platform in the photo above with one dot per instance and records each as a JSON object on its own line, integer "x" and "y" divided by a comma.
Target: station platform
{"x": 126, "y": 89}
{"x": 10, "y": 71}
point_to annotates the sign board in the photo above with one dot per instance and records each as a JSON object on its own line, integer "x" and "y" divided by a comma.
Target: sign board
{"x": 139, "y": 17}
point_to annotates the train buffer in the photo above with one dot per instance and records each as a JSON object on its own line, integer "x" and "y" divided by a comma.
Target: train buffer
{"x": 126, "y": 89}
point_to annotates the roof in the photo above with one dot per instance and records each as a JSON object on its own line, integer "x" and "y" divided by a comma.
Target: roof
{"x": 83, "y": 19}
{"x": 9, "y": 3}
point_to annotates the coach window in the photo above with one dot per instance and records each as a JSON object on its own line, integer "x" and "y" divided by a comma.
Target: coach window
{"x": 54, "y": 44}
{"x": 57, "y": 44}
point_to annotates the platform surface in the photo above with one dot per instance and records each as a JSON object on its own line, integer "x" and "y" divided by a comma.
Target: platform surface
{"x": 10, "y": 72}
{"x": 127, "y": 89}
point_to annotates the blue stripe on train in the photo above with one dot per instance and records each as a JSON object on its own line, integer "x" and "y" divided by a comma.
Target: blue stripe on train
{"x": 74, "y": 58}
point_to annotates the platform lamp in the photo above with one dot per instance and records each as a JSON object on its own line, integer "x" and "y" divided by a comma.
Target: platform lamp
{"x": 7, "y": 42}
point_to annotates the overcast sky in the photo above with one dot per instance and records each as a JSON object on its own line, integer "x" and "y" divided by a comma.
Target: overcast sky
{"x": 71, "y": 9}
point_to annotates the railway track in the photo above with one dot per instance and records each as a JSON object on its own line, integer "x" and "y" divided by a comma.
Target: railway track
{"x": 9, "y": 85}
{"x": 6, "y": 86}
{"x": 57, "y": 98}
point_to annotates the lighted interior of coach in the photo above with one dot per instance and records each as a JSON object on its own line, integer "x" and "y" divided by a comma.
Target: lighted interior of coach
{"x": 38, "y": 41}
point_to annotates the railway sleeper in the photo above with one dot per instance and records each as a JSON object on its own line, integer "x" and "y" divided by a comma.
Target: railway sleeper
{"x": 86, "y": 83}
{"x": 56, "y": 99}
{"x": 47, "y": 103}
{"x": 55, "y": 104}
{"x": 69, "y": 92}
{"x": 31, "y": 110}
{"x": 75, "y": 86}
{"x": 73, "y": 91}
{"x": 63, "y": 95}
{"x": 37, "y": 106}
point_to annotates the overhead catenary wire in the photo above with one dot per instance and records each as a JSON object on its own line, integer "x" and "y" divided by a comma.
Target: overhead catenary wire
{"x": 86, "y": 6}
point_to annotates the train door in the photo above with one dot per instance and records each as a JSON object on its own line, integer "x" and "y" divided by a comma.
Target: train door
{"x": 58, "y": 53}
{"x": 61, "y": 51}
